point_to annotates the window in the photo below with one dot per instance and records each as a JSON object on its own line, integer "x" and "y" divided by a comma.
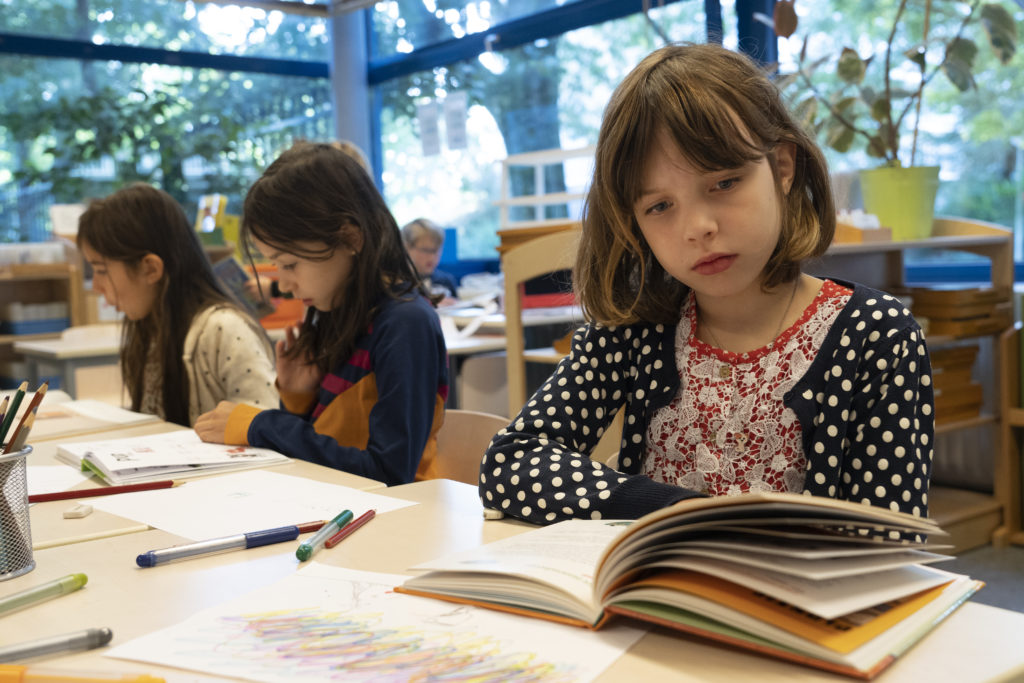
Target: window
{"x": 444, "y": 130}
{"x": 73, "y": 126}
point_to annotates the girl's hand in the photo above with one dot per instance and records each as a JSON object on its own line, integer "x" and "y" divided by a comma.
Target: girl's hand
{"x": 211, "y": 426}
{"x": 295, "y": 375}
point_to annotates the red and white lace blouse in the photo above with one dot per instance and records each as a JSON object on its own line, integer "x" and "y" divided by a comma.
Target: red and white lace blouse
{"x": 727, "y": 430}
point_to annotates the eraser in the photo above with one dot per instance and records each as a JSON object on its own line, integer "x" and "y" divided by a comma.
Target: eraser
{"x": 80, "y": 510}
{"x": 493, "y": 514}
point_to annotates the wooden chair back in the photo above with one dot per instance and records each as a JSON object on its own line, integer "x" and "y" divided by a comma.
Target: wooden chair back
{"x": 539, "y": 256}
{"x": 461, "y": 443}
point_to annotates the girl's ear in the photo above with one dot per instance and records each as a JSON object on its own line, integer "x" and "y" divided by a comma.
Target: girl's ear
{"x": 151, "y": 269}
{"x": 354, "y": 237}
{"x": 785, "y": 164}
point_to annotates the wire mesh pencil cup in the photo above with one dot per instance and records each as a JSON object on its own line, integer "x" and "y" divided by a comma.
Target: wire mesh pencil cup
{"x": 15, "y": 534}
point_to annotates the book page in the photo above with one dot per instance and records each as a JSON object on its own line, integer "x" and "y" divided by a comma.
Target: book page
{"x": 826, "y": 599}
{"x": 563, "y": 555}
{"x": 323, "y": 623}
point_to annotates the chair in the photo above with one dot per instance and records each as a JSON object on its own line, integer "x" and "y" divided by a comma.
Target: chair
{"x": 539, "y": 256}
{"x": 461, "y": 443}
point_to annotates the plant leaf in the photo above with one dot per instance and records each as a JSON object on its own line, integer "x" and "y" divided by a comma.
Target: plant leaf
{"x": 876, "y": 148}
{"x": 880, "y": 109}
{"x": 916, "y": 55}
{"x": 842, "y": 105}
{"x": 1001, "y": 31}
{"x": 784, "y": 17}
{"x": 959, "y": 60}
{"x": 851, "y": 67}
{"x": 839, "y": 137}
{"x": 805, "y": 111}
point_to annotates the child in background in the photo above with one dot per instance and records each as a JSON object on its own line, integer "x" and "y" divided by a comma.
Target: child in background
{"x": 187, "y": 345}
{"x": 424, "y": 240}
{"x": 736, "y": 371}
{"x": 364, "y": 380}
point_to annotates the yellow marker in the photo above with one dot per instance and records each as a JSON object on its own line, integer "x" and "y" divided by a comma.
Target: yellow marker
{"x": 45, "y": 591}
{"x": 13, "y": 673}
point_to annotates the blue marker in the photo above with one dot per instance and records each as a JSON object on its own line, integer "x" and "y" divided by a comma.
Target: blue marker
{"x": 253, "y": 539}
{"x": 307, "y": 548}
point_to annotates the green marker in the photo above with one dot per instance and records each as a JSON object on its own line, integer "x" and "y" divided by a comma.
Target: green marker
{"x": 317, "y": 540}
{"x": 46, "y": 591}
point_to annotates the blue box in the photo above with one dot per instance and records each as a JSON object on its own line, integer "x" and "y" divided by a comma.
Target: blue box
{"x": 34, "y": 326}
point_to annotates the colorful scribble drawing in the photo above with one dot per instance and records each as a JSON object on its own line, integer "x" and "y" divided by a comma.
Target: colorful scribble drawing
{"x": 335, "y": 645}
{"x": 331, "y": 624}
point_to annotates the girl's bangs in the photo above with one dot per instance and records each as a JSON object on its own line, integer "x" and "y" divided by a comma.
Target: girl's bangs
{"x": 709, "y": 134}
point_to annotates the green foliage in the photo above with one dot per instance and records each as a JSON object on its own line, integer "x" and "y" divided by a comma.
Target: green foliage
{"x": 875, "y": 101}
{"x": 64, "y": 124}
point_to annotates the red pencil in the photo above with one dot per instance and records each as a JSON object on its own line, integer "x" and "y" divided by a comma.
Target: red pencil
{"x": 104, "y": 491}
{"x": 349, "y": 528}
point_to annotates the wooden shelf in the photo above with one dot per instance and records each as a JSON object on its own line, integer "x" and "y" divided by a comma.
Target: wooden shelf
{"x": 970, "y": 517}
{"x": 11, "y": 338}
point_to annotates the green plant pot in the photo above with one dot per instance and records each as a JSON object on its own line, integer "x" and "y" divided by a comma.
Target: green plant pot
{"x": 902, "y": 198}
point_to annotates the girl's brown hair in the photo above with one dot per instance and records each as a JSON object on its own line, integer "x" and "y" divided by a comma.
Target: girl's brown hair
{"x": 318, "y": 193}
{"x": 126, "y": 226}
{"x": 722, "y": 111}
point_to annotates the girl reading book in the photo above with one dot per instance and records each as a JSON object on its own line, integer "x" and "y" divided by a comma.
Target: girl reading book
{"x": 736, "y": 371}
{"x": 187, "y": 345}
{"x": 364, "y": 379}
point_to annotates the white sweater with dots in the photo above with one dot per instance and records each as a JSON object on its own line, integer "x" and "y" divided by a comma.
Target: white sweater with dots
{"x": 865, "y": 407}
{"x": 228, "y": 357}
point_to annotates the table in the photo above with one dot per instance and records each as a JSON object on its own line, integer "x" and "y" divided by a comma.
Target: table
{"x": 976, "y": 643}
{"x": 68, "y": 355}
{"x": 532, "y": 317}
{"x": 49, "y": 528}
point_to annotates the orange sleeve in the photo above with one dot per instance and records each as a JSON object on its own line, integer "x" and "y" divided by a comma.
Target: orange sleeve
{"x": 236, "y": 433}
{"x": 298, "y": 403}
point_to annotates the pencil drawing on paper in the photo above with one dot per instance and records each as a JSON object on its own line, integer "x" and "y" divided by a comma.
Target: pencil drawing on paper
{"x": 355, "y": 640}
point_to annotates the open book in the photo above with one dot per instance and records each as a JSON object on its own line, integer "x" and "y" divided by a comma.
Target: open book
{"x": 231, "y": 274}
{"x": 819, "y": 581}
{"x": 173, "y": 455}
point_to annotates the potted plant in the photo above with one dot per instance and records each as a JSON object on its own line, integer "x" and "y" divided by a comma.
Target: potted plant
{"x": 874, "y": 101}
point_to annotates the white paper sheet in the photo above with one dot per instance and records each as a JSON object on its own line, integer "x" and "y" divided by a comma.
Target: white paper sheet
{"x": 329, "y": 623}
{"x": 51, "y": 478}
{"x": 242, "y": 502}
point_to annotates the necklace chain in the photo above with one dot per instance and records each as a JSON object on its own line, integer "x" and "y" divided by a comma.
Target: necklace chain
{"x": 778, "y": 330}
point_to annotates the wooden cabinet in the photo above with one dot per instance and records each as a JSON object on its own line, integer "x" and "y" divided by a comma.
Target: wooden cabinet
{"x": 40, "y": 283}
{"x": 1008, "y": 472}
{"x": 972, "y": 517}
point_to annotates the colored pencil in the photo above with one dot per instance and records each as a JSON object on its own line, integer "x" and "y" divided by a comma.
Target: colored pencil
{"x": 13, "y": 410}
{"x": 349, "y": 528}
{"x": 103, "y": 491}
{"x": 33, "y": 406}
{"x": 3, "y": 408}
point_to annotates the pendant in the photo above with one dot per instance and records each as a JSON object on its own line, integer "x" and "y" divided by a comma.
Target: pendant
{"x": 724, "y": 371}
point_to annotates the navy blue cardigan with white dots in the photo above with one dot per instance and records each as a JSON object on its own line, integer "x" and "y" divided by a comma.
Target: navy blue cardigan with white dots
{"x": 865, "y": 407}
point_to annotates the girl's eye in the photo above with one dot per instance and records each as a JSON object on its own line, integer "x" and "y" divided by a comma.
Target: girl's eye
{"x": 726, "y": 184}
{"x": 288, "y": 266}
{"x": 656, "y": 208}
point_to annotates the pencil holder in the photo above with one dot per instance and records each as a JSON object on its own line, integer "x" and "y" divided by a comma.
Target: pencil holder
{"x": 15, "y": 535}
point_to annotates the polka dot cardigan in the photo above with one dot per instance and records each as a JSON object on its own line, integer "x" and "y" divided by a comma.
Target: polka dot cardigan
{"x": 865, "y": 408}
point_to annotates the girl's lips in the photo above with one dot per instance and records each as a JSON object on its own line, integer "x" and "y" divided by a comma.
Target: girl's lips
{"x": 714, "y": 265}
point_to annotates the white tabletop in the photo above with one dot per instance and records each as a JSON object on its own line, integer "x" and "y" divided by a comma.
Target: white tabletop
{"x": 976, "y": 643}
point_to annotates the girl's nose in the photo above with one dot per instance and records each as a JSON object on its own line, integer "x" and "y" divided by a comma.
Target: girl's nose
{"x": 698, "y": 224}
